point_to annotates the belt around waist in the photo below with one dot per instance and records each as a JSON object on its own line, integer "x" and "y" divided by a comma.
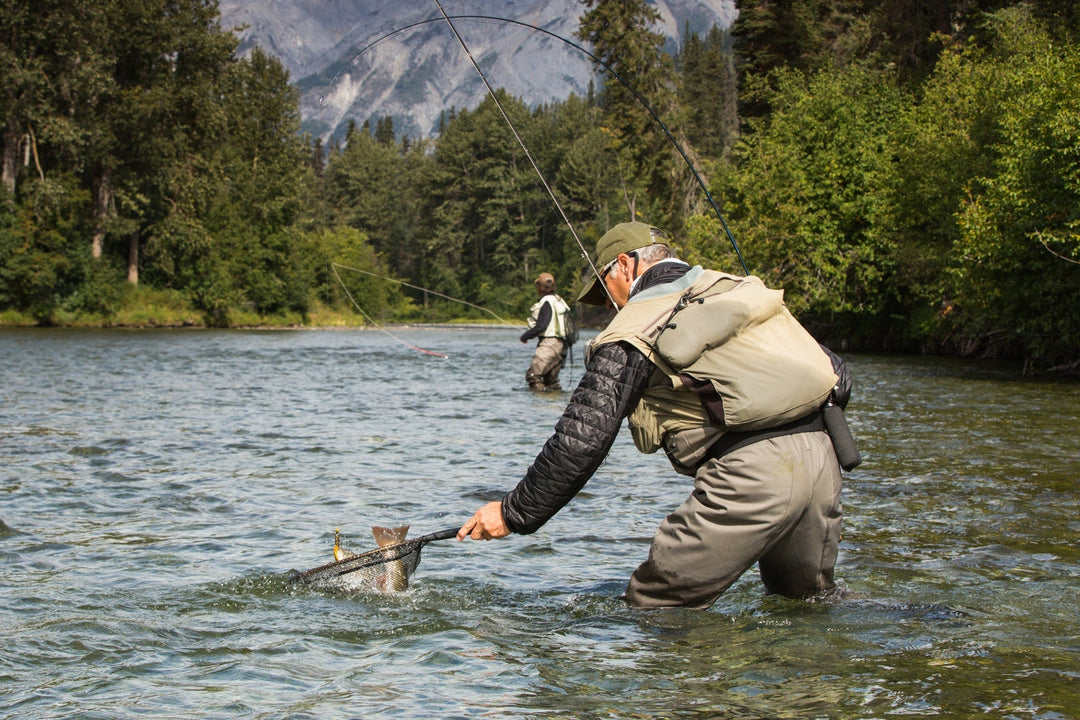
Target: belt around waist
{"x": 731, "y": 441}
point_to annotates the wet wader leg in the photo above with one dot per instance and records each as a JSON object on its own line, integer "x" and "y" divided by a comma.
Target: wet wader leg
{"x": 536, "y": 382}
{"x": 801, "y": 563}
{"x": 741, "y": 506}
{"x": 547, "y": 356}
{"x": 551, "y": 378}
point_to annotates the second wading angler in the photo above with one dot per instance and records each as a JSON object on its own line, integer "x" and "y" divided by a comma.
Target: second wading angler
{"x": 714, "y": 370}
{"x": 547, "y": 321}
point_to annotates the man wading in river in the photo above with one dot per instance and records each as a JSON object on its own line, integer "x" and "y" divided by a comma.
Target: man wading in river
{"x": 547, "y": 321}
{"x": 713, "y": 369}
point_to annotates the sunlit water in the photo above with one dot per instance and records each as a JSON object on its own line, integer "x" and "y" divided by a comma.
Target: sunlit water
{"x": 158, "y": 487}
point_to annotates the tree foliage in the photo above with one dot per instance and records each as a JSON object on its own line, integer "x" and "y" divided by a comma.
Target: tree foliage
{"x": 947, "y": 198}
{"x": 809, "y": 191}
{"x": 1018, "y": 248}
{"x": 708, "y": 92}
{"x": 905, "y": 170}
{"x": 624, "y": 38}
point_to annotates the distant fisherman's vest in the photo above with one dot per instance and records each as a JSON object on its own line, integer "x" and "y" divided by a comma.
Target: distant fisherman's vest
{"x": 729, "y": 354}
{"x": 559, "y": 308}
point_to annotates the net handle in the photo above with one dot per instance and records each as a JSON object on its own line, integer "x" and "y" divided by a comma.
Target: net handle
{"x": 440, "y": 535}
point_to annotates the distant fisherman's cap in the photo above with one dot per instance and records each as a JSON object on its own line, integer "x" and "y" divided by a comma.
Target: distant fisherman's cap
{"x": 545, "y": 282}
{"x": 623, "y": 238}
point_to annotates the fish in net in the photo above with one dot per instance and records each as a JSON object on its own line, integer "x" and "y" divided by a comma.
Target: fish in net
{"x": 387, "y": 568}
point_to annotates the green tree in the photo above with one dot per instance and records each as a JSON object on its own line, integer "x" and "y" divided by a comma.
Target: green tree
{"x": 483, "y": 188}
{"x": 585, "y": 165}
{"x": 43, "y": 264}
{"x": 379, "y": 188}
{"x": 816, "y": 35}
{"x": 708, "y": 92}
{"x": 261, "y": 187}
{"x": 810, "y": 191}
{"x": 1017, "y": 264}
{"x": 384, "y": 131}
{"x": 623, "y": 37}
{"x": 359, "y": 182}
{"x": 353, "y": 276}
{"x": 945, "y": 145}
{"x": 172, "y": 74}
{"x": 802, "y": 35}
{"x": 56, "y": 66}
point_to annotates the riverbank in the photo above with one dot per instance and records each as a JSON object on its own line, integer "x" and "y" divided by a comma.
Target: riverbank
{"x": 160, "y": 310}
{"x": 152, "y": 309}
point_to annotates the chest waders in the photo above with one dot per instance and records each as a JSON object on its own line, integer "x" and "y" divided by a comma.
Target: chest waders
{"x": 550, "y": 353}
{"x": 735, "y": 402}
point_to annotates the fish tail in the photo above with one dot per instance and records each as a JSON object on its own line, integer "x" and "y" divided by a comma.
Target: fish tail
{"x": 386, "y": 536}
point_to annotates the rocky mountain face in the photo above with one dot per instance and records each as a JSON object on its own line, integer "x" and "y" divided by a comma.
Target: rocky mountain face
{"x": 368, "y": 59}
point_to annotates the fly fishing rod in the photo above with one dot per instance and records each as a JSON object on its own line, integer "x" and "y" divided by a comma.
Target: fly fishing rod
{"x": 667, "y": 133}
{"x": 536, "y": 168}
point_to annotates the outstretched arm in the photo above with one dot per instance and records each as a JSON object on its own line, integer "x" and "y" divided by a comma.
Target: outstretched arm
{"x": 543, "y": 317}
{"x": 613, "y": 383}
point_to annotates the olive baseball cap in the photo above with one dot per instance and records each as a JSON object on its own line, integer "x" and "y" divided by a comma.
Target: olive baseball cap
{"x": 623, "y": 238}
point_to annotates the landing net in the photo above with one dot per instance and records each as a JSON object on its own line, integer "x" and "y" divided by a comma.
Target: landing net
{"x": 386, "y": 568}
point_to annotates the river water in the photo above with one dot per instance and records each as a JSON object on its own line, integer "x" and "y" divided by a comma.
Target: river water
{"x": 158, "y": 487}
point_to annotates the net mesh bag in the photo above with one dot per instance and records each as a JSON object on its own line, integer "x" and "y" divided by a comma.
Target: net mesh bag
{"x": 386, "y": 568}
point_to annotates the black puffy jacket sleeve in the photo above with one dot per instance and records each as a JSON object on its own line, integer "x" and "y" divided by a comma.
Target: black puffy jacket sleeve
{"x": 542, "y": 319}
{"x": 614, "y": 380}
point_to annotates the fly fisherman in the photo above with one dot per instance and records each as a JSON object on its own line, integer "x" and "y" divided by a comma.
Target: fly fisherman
{"x": 713, "y": 369}
{"x": 547, "y": 321}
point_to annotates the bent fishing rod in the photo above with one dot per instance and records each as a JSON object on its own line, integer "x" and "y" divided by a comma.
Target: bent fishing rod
{"x": 449, "y": 20}
{"x": 535, "y": 167}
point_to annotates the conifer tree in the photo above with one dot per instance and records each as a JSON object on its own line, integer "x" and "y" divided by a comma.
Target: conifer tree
{"x": 623, "y": 37}
{"x": 708, "y": 92}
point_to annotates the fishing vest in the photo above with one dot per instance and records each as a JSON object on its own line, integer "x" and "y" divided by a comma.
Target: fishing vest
{"x": 559, "y": 308}
{"x": 729, "y": 356}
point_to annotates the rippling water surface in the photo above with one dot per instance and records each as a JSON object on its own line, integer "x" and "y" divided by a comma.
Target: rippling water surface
{"x": 157, "y": 488}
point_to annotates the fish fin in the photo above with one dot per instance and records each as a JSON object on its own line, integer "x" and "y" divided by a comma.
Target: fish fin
{"x": 340, "y": 553}
{"x": 385, "y": 536}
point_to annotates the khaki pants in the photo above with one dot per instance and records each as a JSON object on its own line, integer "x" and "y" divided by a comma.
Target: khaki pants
{"x": 547, "y": 361}
{"x": 775, "y": 502}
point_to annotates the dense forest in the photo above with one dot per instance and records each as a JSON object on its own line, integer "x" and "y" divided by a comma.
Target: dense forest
{"x": 908, "y": 171}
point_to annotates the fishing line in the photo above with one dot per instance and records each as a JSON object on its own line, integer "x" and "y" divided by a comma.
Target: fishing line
{"x": 598, "y": 61}
{"x": 543, "y": 180}
{"x": 377, "y": 325}
{"x": 417, "y": 287}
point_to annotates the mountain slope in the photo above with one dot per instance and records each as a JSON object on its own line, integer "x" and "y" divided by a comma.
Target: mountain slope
{"x": 374, "y": 58}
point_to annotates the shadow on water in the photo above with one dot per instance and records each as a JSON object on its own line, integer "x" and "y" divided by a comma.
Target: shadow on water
{"x": 6, "y": 531}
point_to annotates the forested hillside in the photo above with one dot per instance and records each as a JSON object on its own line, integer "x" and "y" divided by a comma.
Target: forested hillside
{"x": 909, "y": 173}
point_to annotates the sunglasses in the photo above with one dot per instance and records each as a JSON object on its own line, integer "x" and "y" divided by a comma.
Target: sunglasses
{"x": 607, "y": 268}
